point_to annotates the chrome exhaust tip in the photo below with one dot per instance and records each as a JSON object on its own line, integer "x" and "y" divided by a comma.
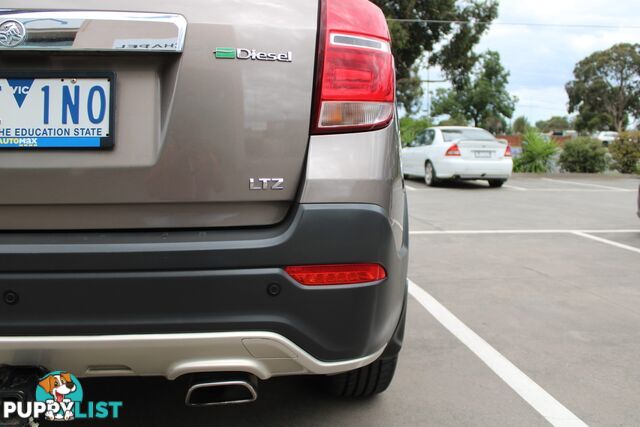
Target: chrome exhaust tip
{"x": 222, "y": 389}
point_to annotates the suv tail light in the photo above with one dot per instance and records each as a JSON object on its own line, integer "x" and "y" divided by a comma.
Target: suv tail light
{"x": 507, "y": 153}
{"x": 337, "y": 274}
{"x": 453, "y": 151}
{"x": 355, "y": 90}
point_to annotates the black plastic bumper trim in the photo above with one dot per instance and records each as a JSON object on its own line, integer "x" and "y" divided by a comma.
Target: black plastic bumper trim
{"x": 210, "y": 281}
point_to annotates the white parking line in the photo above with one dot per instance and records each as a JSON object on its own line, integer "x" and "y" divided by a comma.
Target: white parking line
{"x": 544, "y": 190}
{"x": 513, "y": 187}
{"x": 608, "y": 242}
{"x": 578, "y": 190}
{"x": 472, "y": 232}
{"x": 586, "y": 184}
{"x": 532, "y": 393}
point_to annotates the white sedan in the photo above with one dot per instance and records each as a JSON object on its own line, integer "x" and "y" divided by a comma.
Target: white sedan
{"x": 607, "y": 138}
{"x": 462, "y": 153}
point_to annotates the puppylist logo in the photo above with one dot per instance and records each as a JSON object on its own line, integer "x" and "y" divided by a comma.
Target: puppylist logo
{"x": 59, "y": 397}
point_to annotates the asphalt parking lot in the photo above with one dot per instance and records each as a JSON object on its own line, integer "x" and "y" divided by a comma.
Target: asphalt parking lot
{"x": 525, "y": 311}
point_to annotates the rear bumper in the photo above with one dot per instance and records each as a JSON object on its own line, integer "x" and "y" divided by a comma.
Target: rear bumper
{"x": 263, "y": 354}
{"x": 475, "y": 169}
{"x": 86, "y": 289}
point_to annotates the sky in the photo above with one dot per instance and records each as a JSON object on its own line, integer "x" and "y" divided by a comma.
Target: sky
{"x": 541, "y": 59}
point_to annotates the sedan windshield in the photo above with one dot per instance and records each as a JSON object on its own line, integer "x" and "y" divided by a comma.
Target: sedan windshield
{"x": 451, "y": 135}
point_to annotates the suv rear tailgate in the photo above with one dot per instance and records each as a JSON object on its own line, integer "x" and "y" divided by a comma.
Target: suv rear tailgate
{"x": 191, "y": 129}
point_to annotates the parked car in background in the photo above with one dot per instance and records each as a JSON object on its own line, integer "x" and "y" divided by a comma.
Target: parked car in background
{"x": 607, "y": 137}
{"x": 545, "y": 138}
{"x": 462, "y": 153}
{"x": 563, "y": 134}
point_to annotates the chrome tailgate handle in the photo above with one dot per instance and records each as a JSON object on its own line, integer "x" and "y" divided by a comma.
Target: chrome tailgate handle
{"x": 91, "y": 31}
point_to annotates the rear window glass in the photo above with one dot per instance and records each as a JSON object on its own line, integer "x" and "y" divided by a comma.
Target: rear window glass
{"x": 451, "y": 135}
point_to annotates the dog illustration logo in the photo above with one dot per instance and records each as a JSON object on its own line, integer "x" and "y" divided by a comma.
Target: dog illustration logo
{"x": 61, "y": 391}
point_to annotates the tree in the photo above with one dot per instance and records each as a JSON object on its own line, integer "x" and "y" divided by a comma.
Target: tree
{"x": 606, "y": 88}
{"x": 451, "y": 45}
{"x": 454, "y": 121}
{"x": 410, "y": 128}
{"x": 521, "y": 125}
{"x": 554, "y": 124}
{"x": 495, "y": 124}
{"x": 483, "y": 99}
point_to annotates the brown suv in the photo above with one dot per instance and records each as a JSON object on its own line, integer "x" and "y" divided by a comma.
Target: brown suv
{"x": 189, "y": 191}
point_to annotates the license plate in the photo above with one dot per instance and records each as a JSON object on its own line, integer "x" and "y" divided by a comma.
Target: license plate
{"x": 483, "y": 154}
{"x": 57, "y": 111}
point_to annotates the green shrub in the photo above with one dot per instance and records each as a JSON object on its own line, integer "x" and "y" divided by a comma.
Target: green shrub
{"x": 626, "y": 152}
{"x": 410, "y": 128}
{"x": 585, "y": 155}
{"x": 537, "y": 154}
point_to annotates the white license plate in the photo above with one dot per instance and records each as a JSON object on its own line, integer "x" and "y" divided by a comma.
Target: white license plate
{"x": 66, "y": 112}
{"x": 483, "y": 154}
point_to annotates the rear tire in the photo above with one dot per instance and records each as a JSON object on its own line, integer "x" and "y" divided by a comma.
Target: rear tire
{"x": 496, "y": 183}
{"x": 364, "y": 382}
{"x": 430, "y": 176}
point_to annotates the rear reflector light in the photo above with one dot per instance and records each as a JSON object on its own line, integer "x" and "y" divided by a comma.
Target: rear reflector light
{"x": 356, "y": 74}
{"x": 336, "y": 274}
{"x": 453, "y": 151}
{"x": 507, "y": 153}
